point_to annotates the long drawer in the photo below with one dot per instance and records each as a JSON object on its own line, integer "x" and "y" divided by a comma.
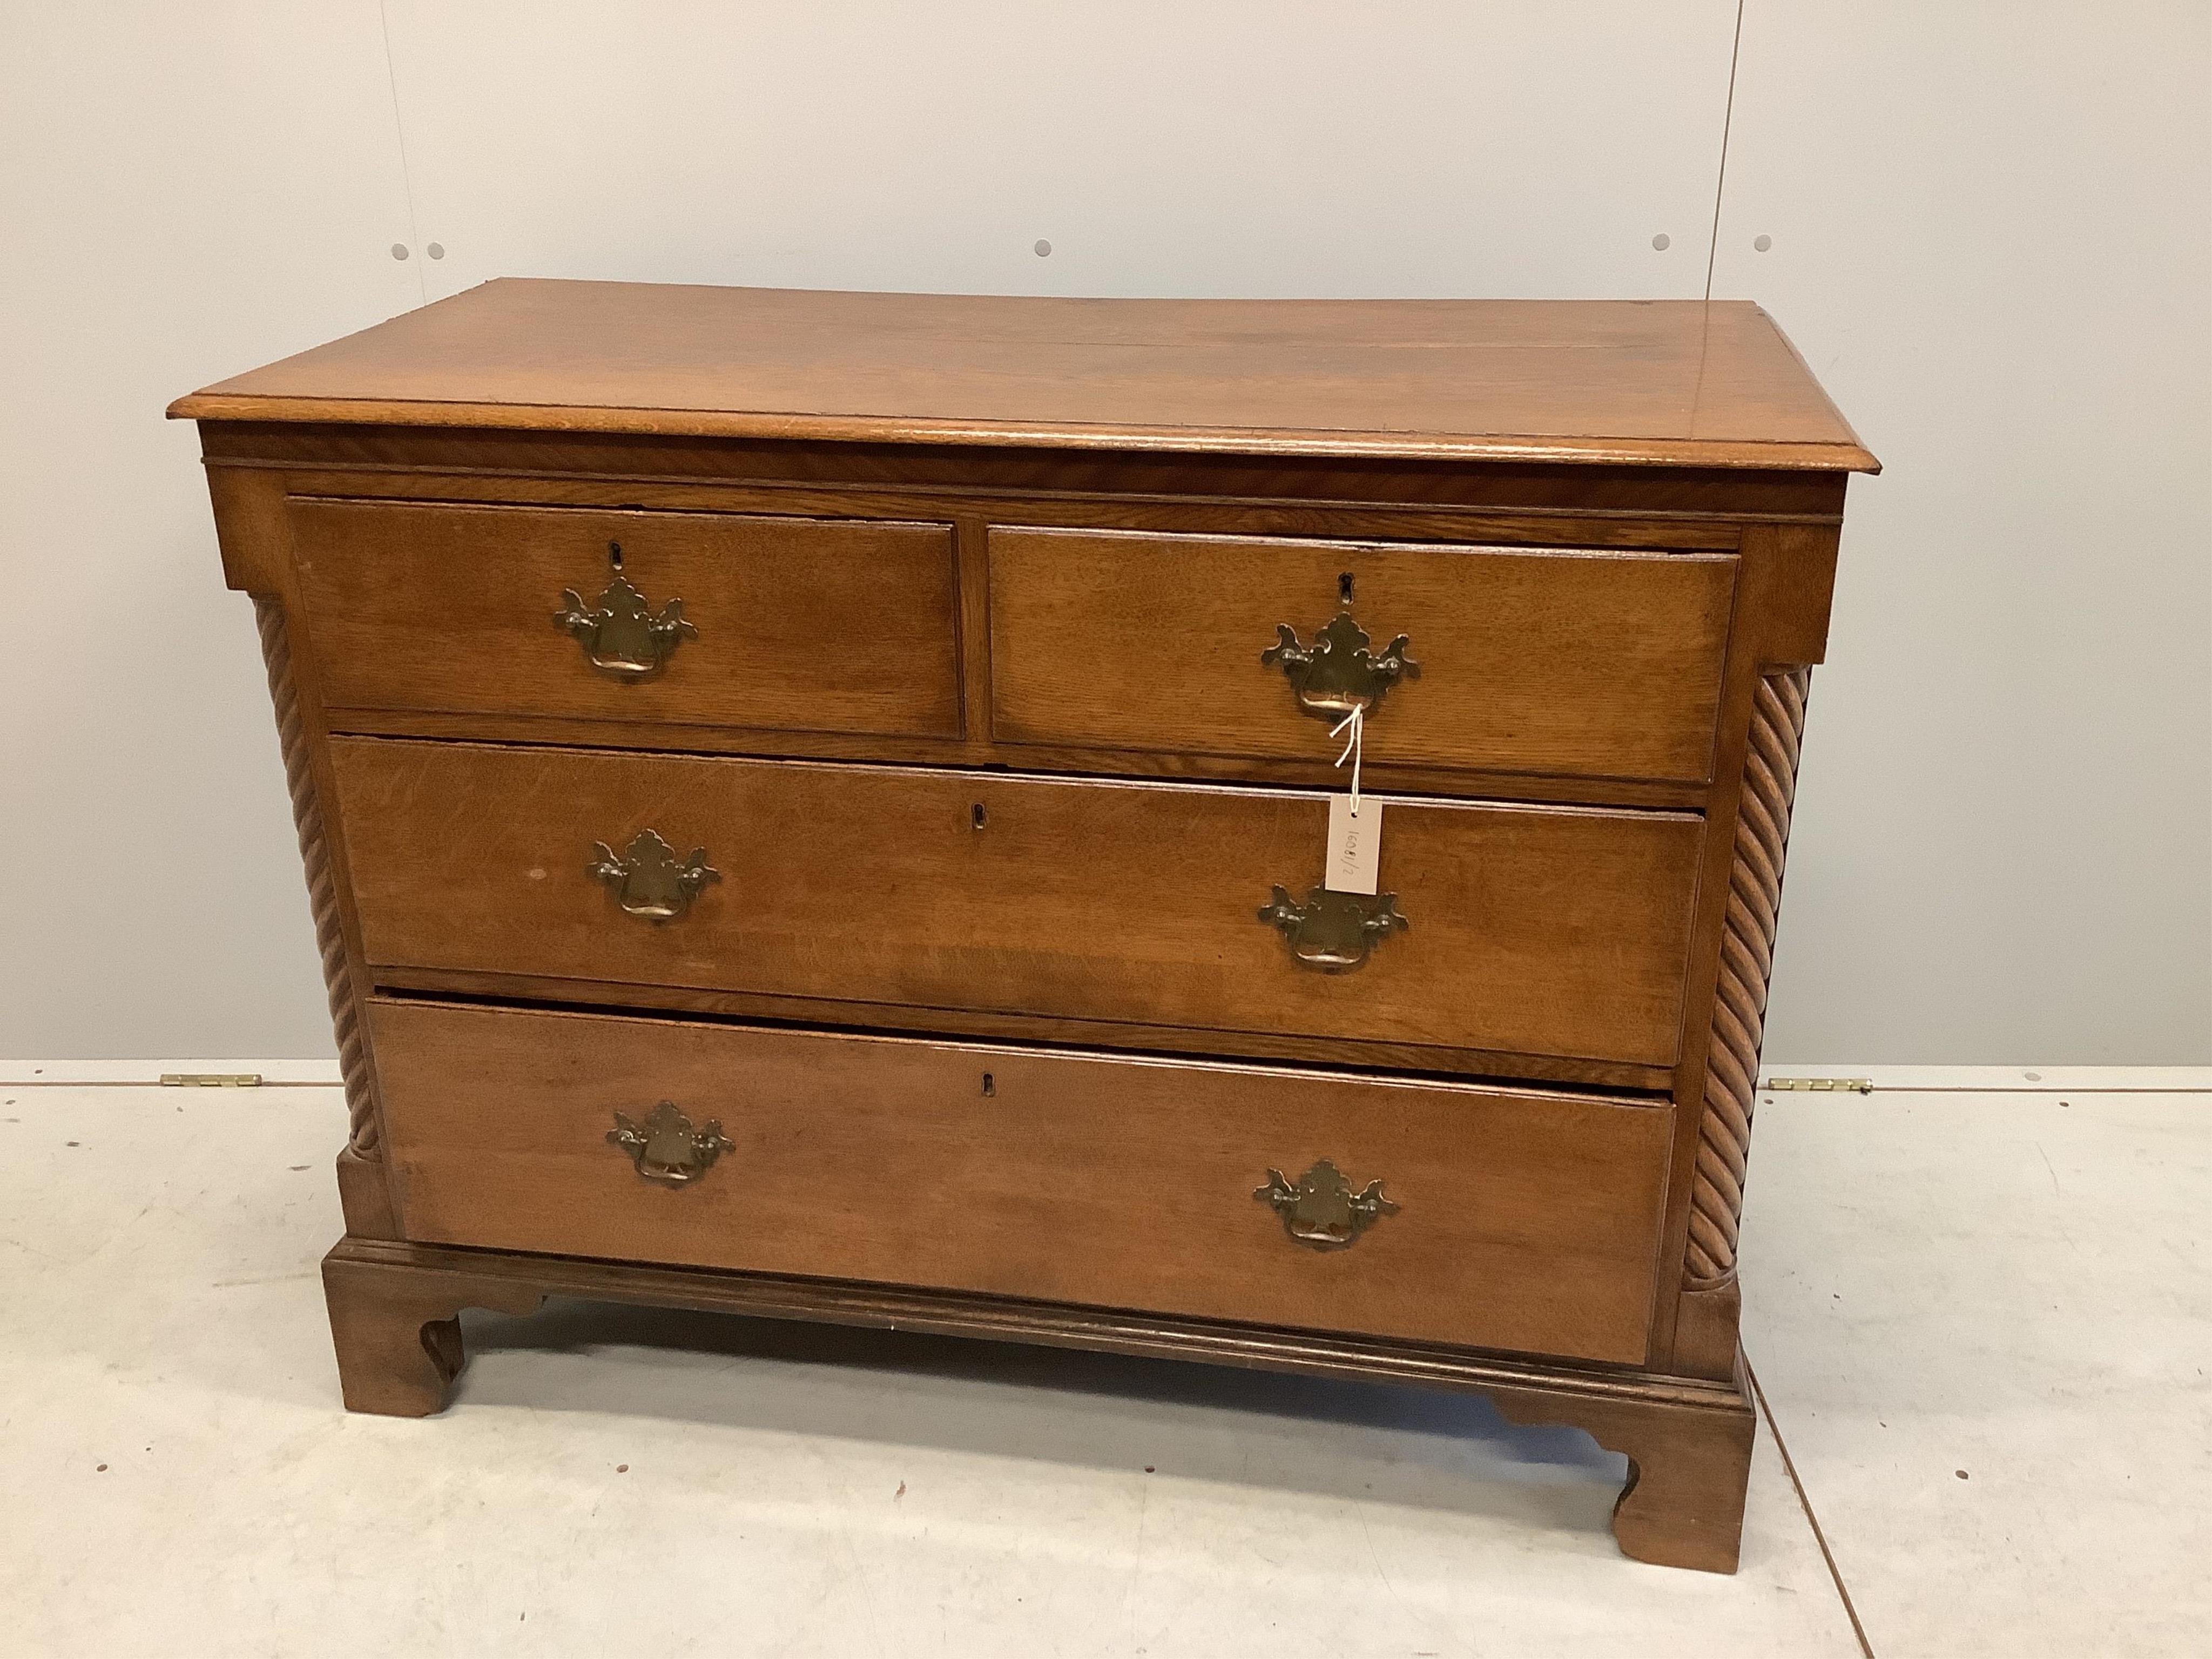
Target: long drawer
{"x": 1582, "y": 662}
{"x": 1538, "y": 930}
{"x": 682, "y": 618}
{"x": 1504, "y": 1219}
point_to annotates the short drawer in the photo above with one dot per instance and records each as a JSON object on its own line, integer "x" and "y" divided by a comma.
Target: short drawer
{"x": 1509, "y": 1219}
{"x": 1585, "y": 663}
{"x": 1541, "y": 930}
{"x": 688, "y": 618}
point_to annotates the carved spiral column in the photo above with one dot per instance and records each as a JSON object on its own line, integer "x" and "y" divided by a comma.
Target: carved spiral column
{"x": 322, "y": 886}
{"x": 1762, "y": 832}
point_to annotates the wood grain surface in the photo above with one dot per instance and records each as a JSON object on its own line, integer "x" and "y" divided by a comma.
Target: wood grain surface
{"x": 1547, "y": 930}
{"x": 1584, "y": 663}
{"x": 806, "y": 624}
{"x": 1527, "y": 1221}
{"x": 1664, "y": 382}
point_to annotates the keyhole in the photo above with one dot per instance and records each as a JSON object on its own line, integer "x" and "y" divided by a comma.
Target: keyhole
{"x": 1344, "y": 590}
{"x": 614, "y": 554}
{"x": 975, "y": 815}
{"x": 990, "y": 1085}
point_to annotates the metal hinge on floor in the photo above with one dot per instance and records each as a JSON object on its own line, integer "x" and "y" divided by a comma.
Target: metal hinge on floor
{"x": 1856, "y": 1085}
{"x": 210, "y": 1080}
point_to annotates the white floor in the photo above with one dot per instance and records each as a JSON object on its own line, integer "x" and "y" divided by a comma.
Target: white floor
{"x": 2012, "y": 1285}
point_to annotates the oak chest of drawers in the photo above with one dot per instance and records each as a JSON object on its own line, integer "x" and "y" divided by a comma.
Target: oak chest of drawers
{"x": 817, "y": 805}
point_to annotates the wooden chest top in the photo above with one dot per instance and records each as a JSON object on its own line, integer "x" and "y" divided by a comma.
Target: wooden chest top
{"x": 1670, "y": 383}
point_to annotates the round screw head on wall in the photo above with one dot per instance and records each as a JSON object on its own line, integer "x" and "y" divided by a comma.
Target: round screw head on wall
{"x": 1044, "y": 248}
{"x": 436, "y": 250}
{"x": 400, "y": 250}
{"x": 1662, "y": 241}
{"x": 1760, "y": 244}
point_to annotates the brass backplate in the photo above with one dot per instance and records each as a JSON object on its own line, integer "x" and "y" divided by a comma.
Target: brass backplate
{"x": 621, "y": 635}
{"x": 667, "y": 1147}
{"x": 1333, "y": 931}
{"x": 647, "y": 878}
{"x": 1320, "y": 1211}
{"x": 1339, "y": 672}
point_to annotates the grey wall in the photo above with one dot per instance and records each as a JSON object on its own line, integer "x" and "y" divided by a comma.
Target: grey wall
{"x": 1988, "y": 234}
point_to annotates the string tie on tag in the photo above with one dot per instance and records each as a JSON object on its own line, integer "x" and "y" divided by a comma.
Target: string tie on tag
{"x": 1357, "y": 719}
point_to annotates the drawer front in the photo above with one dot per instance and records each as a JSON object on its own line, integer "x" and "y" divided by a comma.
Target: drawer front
{"x": 1536, "y": 930}
{"x": 1524, "y": 1220}
{"x": 1600, "y": 665}
{"x": 796, "y": 624}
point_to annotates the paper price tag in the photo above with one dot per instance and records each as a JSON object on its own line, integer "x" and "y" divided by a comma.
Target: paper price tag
{"x": 1355, "y": 845}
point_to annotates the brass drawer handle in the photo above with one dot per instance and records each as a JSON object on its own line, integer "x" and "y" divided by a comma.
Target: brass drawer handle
{"x": 1337, "y": 674}
{"x": 647, "y": 878}
{"x": 1321, "y": 1211}
{"x": 620, "y": 635}
{"x": 1331, "y": 930}
{"x": 667, "y": 1148}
